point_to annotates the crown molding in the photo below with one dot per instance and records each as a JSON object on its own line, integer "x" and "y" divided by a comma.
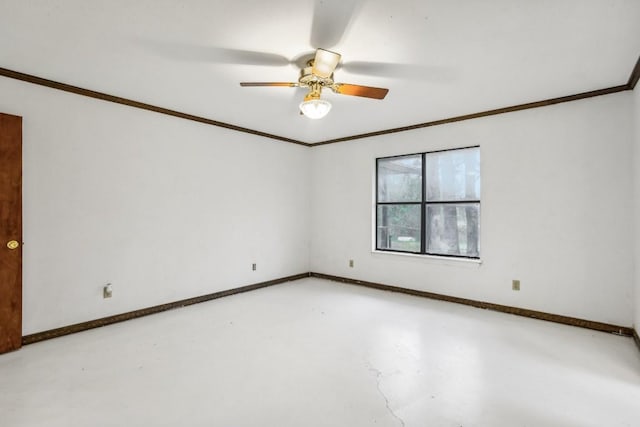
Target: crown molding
{"x": 487, "y": 113}
{"x": 136, "y": 104}
{"x": 635, "y": 76}
{"x": 630, "y": 85}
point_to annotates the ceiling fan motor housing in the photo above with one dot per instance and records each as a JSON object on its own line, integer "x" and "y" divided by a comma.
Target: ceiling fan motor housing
{"x": 307, "y": 78}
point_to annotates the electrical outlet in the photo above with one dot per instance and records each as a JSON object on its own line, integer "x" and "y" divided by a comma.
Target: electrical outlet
{"x": 350, "y": 263}
{"x": 515, "y": 285}
{"x": 253, "y": 266}
{"x": 107, "y": 291}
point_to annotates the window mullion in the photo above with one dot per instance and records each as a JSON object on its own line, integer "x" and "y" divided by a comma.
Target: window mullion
{"x": 423, "y": 218}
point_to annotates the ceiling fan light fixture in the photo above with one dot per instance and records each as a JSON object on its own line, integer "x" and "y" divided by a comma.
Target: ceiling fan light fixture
{"x": 315, "y": 108}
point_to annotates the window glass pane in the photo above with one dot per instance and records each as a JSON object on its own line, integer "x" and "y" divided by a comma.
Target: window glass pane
{"x": 453, "y": 175}
{"x": 400, "y": 179}
{"x": 398, "y": 227}
{"x": 453, "y": 229}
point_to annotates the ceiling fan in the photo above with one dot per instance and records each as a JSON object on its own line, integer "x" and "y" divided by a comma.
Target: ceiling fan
{"x": 318, "y": 74}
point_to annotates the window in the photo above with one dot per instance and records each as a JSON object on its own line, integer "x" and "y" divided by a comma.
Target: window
{"x": 429, "y": 203}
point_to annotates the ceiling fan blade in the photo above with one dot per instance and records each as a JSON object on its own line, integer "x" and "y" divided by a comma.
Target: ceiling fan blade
{"x": 357, "y": 90}
{"x": 274, "y": 84}
{"x": 247, "y": 57}
{"x": 389, "y": 69}
{"x": 331, "y": 19}
{"x": 217, "y": 55}
{"x": 325, "y": 63}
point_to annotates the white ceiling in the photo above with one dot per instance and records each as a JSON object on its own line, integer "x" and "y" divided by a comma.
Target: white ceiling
{"x": 443, "y": 57}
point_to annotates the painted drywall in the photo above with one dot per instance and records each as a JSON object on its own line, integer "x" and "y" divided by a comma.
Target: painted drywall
{"x": 162, "y": 208}
{"x": 556, "y": 210}
{"x": 635, "y": 112}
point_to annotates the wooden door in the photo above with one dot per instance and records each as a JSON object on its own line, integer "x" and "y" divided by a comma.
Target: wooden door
{"x": 10, "y": 232}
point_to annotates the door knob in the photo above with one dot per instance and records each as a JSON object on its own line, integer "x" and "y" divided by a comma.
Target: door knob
{"x": 13, "y": 244}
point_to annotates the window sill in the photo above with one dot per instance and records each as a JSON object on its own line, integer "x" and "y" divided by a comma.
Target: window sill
{"x": 436, "y": 258}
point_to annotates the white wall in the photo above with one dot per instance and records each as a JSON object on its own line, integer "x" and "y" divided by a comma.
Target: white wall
{"x": 167, "y": 209}
{"x": 636, "y": 121}
{"x": 556, "y": 210}
{"x": 162, "y": 208}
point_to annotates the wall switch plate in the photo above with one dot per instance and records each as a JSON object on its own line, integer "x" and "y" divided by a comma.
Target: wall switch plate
{"x": 253, "y": 266}
{"x": 350, "y": 263}
{"x": 107, "y": 291}
{"x": 515, "y": 285}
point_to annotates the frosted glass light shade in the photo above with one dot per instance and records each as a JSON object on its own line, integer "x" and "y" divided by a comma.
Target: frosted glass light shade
{"x": 315, "y": 108}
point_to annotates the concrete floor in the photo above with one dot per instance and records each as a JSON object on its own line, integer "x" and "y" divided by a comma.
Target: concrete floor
{"x": 317, "y": 353}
